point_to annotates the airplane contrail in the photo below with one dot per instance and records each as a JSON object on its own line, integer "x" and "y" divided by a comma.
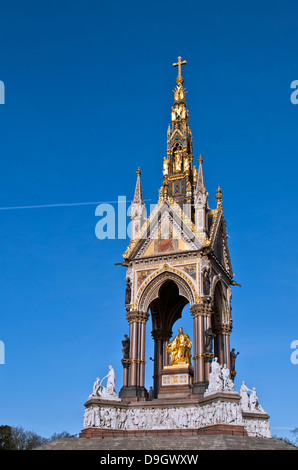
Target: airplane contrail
{"x": 62, "y": 205}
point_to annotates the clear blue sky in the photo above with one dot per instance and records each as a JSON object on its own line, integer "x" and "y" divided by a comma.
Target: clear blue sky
{"x": 88, "y": 93}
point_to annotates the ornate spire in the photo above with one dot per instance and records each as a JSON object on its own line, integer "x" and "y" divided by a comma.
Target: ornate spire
{"x": 219, "y": 197}
{"x": 138, "y": 208}
{"x": 179, "y": 174}
{"x": 138, "y": 197}
{"x": 200, "y": 182}
{"x": 179, "y": 111}
{"x": 201, "y": 201}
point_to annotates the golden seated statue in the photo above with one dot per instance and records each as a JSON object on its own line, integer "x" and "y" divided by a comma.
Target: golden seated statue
{"x": 179, "y": 349}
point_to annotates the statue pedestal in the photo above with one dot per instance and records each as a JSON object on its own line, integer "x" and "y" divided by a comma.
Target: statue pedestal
{"x": 176, "y": 381}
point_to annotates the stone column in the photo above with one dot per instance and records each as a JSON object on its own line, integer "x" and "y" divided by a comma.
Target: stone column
{"x": 134, "y": 367}
{"x": 133, "y": 354}
{"x": 220, "y": 348}
{"x": 125, "y": 374}
{"x": 226, "y": 331}
{"x": 142, "y": 334}
{"x": 161, "y": 338}
{"x": 201, "y": 313}
{"x": 223, "y": 345}
{"x": 208, "y": 355}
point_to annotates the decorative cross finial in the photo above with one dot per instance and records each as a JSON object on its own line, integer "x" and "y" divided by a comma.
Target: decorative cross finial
{"x": 179, "y": 63}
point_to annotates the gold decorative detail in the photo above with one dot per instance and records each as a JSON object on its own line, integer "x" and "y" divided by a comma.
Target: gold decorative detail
{"x": 191, "y": 270}
{"x": 133, "y": 361}
{"x": 142, "y": 275}
{"x": 219, "y": 197}
{"x": 204, "y": 355}
{"x": 197, "y": 356}
{"x": 208, "y": 355}
{"x": 165, "y": 166}
{"x": 178, "y": 64}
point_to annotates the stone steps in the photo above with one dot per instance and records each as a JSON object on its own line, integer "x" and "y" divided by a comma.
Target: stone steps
{"x": 188, "y": 443}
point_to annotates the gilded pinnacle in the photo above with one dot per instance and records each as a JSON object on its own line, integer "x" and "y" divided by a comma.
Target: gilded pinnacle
{"x": 200, "y": 159}
{"x": 178, "y": 64}
{"x": 218, "y": 195}
{"x": 138, "y": 171}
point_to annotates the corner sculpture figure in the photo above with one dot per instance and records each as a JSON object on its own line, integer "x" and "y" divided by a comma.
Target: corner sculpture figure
{"x": 108, "y": 392}
{"x": 179, "y": 349}
{"x": 125, "y": 344}
{"x": 209, "y": 335}
{"x": 250, "y": 402}
{"x": 244, "y": 396}
{"x": 219, "y": 379}
{"x": 233, "y": 356}
{"x": 128, "y": 292}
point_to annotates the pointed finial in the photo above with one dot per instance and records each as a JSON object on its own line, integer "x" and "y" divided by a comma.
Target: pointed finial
{"x": 180, "y": 62}
{"x": 200, "y": 188}
{"x": 219, "y": 196}
{"x": 138, "y": 197}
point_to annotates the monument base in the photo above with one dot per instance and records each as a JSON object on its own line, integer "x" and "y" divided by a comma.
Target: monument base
{"x": 176, "y": 381}
{"x": 219, "y": 413}
{"x": 199, "y": 388}
{"x": 133, "y": 393}
{"x": 226, "y": 429}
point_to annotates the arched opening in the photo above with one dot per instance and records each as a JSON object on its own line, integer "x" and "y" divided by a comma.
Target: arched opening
{"x": 165, "y": 311}
{"x": 167, "y": 307}
{"x": 162, "y": 299}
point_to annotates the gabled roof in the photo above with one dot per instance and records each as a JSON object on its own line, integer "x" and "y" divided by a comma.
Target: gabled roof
{"x": 219, "y": 246}
{"x": 183, "y": 231}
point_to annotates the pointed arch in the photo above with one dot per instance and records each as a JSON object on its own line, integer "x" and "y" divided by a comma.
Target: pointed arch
{"x": 151, "y": 290}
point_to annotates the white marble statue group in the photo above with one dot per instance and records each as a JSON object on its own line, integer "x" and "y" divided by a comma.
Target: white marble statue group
{"x": 108, "y": 392}
{"x": 249, "y": 403}
{"x": 219, "y": 379}
{"x": 223, "y": 409}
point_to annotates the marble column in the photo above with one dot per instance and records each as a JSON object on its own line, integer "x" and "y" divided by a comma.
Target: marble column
{"x": 161, "y": 357}
{"x": 201, "y": 313}
{"x": 134, "y": 367}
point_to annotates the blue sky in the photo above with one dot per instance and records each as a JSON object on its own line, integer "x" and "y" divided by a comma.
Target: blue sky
{"x": 88, "y": 94}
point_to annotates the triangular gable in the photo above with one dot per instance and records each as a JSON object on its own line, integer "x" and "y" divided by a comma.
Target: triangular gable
{"x": 166, "y": 230}
{"x": 166, "y": 240}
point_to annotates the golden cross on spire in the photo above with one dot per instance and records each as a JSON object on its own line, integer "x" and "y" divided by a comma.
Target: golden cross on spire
{"x": 179, "y": 63}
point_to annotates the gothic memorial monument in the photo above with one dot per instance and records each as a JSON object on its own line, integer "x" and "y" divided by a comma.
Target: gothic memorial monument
{"x": 178, "y": 255}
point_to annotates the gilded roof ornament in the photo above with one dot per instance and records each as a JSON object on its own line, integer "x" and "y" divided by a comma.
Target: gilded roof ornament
{"x": 179, "y": 79}
{"x": 219, "y": 197}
